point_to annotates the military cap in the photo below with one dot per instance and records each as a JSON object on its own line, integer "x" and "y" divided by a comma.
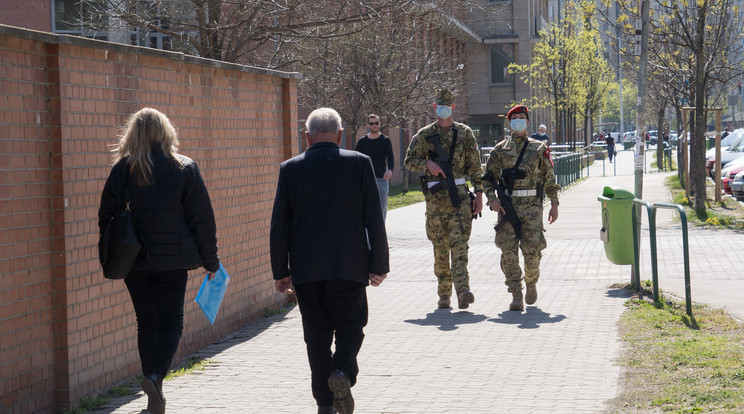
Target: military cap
{"x": 518, "y": 109}
{"x": 444, "y": 97}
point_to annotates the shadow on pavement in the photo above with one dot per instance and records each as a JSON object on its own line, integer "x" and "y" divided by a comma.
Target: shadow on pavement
{"x": 243, "y": 334}
{"x": 532, "y": 318}
{"x": 447, "y": 319}
{"x": 620, "y": 292}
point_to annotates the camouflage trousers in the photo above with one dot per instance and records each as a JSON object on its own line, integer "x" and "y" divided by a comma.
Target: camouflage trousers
{"x": 530, "y": 213}
{"x": 449, "y": 240}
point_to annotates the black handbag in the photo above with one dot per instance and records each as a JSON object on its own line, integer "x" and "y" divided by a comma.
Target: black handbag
{"x": 120, "y": 242}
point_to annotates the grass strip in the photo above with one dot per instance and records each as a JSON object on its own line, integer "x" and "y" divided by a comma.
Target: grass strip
{"x": 677, "y": 364}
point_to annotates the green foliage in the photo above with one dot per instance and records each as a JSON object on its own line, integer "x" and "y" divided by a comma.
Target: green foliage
{"x": 120, "y": 391}
{"x": 88, "y": 404}
{"x": 190, "y": 365}
{"x": 280, "y": 311}
{"x": 611, "y": 109}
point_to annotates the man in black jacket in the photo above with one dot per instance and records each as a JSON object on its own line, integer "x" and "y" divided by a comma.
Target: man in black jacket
{"x": 379, "y": 148}
{"x": 328, "y": 239}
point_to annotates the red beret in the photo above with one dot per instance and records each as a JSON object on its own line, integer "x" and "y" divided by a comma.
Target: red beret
{"x": 518, "y": 109}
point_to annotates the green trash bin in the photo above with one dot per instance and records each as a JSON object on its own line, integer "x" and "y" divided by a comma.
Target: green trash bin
{"x": 617, "y": 225}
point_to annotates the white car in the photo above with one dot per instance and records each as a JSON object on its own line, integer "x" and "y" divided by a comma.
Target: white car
{"x": 730, "y": 139}
{"x": 737, "y": 186}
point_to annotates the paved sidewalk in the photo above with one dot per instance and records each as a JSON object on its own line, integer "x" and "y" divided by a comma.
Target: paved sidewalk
{"x": 555, "y": 357}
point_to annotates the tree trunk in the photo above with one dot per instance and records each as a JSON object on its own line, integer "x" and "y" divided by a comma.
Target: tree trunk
{"x": 659, "y": 135}
{"x": 697, "y": 162}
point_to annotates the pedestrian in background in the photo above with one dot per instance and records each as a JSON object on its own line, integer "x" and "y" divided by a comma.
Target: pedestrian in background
{"x": 174, "y": 216}
{"x": 542, "y": 135}
{"x": 527, "y": 197}
{"x": 328, "y": 239}
{"x": 378, "y": 147}
{"x": 610, "y": 146}
{"x": 448, "y": 228}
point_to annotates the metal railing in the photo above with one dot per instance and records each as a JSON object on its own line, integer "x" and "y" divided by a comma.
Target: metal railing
{"x": 567, "y": 165}
{"x": 567, "y": 168}
{"x": 651, "y": 209}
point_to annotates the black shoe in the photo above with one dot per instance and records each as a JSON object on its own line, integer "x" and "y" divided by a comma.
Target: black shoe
{"x": 155, "y": 400}
{"x": 326, "y": 410}
{"x": 343, "y": 402}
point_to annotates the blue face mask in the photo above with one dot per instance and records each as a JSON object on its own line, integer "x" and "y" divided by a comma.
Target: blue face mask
{"x": 518, "y": 125}
{"x": 444, "y": 112}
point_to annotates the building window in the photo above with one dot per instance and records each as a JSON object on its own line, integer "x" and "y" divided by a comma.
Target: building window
{"x": 82, "y": 18}
{"x": 501, "y": 57}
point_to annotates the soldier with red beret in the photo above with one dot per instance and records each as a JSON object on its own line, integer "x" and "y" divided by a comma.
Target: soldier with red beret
{"x": 535, "y": 179}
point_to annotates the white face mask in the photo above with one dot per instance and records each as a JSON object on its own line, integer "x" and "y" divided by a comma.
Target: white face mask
{"x": 518, "y": 125}
{"x": 542, "y": 134}
{"x": 444, "y": 112}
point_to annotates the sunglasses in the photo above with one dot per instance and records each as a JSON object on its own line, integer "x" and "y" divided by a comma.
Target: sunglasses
{"x": 374, "y": 123}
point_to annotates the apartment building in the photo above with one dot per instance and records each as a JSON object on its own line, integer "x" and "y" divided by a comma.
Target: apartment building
{"x": 506, "y": 33}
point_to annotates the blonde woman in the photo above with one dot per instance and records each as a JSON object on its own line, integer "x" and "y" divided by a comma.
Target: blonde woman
{"x": 174, "y": 216}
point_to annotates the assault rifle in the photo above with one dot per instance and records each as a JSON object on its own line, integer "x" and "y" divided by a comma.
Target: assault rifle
{"x": 449, "y": 180}
{"x": 510, "y": 214}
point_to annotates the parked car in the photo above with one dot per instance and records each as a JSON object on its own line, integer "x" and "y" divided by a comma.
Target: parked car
{"x": 630, "y": 136}
{"x": 737, "y": 186}
{"x": 726, "y": 142}
{"x": 733, "y": 152}
{"x": 673, "y": 138}
{"x": 729, "y": 173}
{"x": 653, "y": 137}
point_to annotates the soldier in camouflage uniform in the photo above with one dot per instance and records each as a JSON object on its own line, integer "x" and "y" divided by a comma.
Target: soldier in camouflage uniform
{"x": 448, "y": 230}
{"x": 527, "y": 198}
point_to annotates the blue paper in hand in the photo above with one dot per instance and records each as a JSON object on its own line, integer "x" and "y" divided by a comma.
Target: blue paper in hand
{"x": 211, "y": 293}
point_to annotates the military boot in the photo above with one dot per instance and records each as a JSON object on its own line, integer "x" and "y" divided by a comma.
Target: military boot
{"x": 464, "y": 299}
{"x": 444, "y": 302}
{"x": 531, "y": 296}
{"x": 517, "y": 304}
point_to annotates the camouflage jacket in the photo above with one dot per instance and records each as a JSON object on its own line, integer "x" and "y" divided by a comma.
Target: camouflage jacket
{"x": 465, "y": 161}
{"x": 536, "y": 164}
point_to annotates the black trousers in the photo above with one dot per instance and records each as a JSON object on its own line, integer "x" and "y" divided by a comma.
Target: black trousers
{"x": 332, "y": 307}
{"x": 158, "y": 303}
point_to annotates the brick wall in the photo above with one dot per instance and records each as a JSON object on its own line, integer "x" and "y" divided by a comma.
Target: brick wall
{"x": 65, "y": 331}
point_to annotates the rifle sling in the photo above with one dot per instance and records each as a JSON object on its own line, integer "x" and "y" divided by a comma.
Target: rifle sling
{"x": 452, "y": 146}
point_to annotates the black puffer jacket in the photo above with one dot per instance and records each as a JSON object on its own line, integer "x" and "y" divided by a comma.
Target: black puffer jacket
{"x": 173, "y": 214}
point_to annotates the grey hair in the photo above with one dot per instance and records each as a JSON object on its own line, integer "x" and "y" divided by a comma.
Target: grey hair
{"x": 542, "y": 127}
{"x": 323, "y": 121}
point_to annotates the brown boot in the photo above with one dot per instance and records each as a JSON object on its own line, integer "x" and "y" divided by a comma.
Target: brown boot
{"x": 517, "y": 304}
{"x": 444, "y": 302}
{"x": 531, "y": 296}
{"x": 464, "y": 299}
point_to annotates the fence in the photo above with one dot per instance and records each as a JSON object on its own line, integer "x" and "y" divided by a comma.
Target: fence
{"x": 568, "y": 168}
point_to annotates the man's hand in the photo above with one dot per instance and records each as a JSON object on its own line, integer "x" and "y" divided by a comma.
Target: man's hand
{"x": 376, "y": 280}
{"x": 434, "y": 169}
{"x": 388, "y": 175}
{"x": 495, "y": 205}
{"x": 209, "y": 275}
{"x": 552, "y": 214}
{"x": 478, "y": 203}
{"x": 282, "y": 285}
